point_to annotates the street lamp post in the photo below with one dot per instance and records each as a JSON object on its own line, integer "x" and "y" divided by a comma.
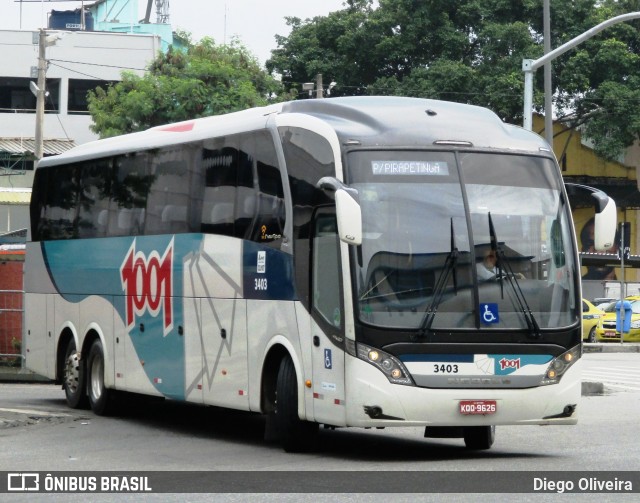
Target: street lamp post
{"x": 531, "y": 65}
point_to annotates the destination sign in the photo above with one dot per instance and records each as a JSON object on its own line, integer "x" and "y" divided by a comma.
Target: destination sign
{"x": 429, "y": 168}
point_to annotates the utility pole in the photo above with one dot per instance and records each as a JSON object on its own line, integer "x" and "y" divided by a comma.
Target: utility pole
{"x": 40, "y": 93}
{"x": 319, "y": 86}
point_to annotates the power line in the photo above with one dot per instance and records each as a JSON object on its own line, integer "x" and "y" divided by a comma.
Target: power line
{"x": 98, "y": 64}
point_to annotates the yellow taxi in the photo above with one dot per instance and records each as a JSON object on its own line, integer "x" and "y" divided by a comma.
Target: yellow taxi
{"x": 590, "y": 317}
{"x": 606, "y": 327}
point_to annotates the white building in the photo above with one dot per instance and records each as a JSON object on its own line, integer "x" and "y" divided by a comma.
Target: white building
{"x": 77, "y": 61}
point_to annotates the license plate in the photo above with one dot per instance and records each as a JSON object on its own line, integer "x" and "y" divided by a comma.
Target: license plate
{"x": 610, "y": 333}
{"x": 483, "y": 407}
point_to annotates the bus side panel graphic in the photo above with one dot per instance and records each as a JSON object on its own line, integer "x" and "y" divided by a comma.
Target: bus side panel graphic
{"x": 149, "y": 279}
{"x": 143, "y": 276}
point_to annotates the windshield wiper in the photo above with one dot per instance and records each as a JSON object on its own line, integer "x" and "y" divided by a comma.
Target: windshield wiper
{"x": 532, "y": 323}
{"x": 448, "y": 269}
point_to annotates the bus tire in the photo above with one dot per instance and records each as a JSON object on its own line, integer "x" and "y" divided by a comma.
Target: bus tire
{"x": 295, "y": 434}
{"x": 73, "y": 375}
{"x": 100, "y": 398}
{"x": 479, "y": 438}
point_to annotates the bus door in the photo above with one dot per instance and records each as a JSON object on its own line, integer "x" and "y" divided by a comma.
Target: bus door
{"x": 327, "y": 321}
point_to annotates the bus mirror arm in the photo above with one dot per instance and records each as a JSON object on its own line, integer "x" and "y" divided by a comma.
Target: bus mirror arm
{"x": 348, "y": 212}
{"x": 330, "y": 185}
{"x": 604, "y": 228}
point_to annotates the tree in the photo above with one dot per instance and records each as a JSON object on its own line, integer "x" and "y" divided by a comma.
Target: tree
{"x": 206, "y": 79}
{"x": 471, "y": 51}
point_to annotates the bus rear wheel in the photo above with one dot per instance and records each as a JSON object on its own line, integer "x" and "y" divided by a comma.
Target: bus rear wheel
{"x": 479, "y": 438}
{"x": 100, "y": 398}
{"x": 295, "y": 434}
{"x": 73, "y": 377}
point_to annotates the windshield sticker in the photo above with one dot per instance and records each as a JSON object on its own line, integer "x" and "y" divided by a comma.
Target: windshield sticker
{"x": 410, "y": 168}
{"x": 489, "y": 313}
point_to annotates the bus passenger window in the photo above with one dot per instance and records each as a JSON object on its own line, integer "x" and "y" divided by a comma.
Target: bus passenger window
{"x": 94, "y": 195}
{"x": 270, "y": 210}
{"x": 219, "y": 161}
{"x": 326, "y": 270}
{"x": 131, "y": 185}
{"x": 169, "y": 197}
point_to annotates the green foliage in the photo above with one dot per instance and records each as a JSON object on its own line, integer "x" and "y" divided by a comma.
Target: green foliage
{"x": 471, "y": 51}
{"x": 207, "y": 79}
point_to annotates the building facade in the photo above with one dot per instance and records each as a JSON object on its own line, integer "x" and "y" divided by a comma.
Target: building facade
{"x": 619, "y": 179}
{"x": 77, "y": 61}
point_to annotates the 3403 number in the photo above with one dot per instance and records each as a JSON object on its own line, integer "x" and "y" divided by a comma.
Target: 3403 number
{"x": 445, "y": 368}
{"x": 260, "y": 283}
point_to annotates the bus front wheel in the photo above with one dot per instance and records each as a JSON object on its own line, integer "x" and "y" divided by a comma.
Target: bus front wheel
{"x": 295, "y": 434}
{"x": 99, "y": 396}
{"x": 479, "y": 437}
{"x": 73, "y": 377}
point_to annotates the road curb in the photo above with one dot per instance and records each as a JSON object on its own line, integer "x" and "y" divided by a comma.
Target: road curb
{"x": 611, "y": 347}
{"x": 14, "y": 374}
{"x": 592, "y": 388}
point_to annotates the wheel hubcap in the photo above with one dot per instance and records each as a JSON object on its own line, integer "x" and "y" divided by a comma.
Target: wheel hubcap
{"x": 72, "y": 372}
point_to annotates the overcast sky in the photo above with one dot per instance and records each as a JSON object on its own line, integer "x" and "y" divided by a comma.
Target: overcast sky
{"x": 254, "y": 22}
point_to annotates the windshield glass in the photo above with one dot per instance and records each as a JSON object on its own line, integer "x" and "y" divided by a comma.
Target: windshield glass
{"x": 472, "y": 241}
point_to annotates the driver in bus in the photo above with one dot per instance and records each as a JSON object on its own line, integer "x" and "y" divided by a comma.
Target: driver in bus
{"x": 487, "y": 269}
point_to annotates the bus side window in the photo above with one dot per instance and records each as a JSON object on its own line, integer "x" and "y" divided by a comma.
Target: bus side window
{"x": 327, "y": 293}
{"x": 60, "y": 211}
{"x": 270, "y": 210}
{"x": 130, "y": 188}
{"x": 94, "y": 195}
{"x": 246, "y": 203}
{"x": 219, "y": 160}
{"x": 168, "y": 201}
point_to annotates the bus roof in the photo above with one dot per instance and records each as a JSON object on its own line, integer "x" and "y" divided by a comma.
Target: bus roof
{"x": 416, "y": 122}
{"x": 367, "y": 120}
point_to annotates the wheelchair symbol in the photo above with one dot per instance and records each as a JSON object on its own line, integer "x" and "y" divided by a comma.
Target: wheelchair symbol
{"x": 328, "y": 363}
{"x": 490, "y": 313}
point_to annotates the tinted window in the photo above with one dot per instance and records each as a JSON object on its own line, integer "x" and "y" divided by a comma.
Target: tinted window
{"x": 220, "y": 162}
{"x": 230, "y": 186}
{"x": 131, "y": 183}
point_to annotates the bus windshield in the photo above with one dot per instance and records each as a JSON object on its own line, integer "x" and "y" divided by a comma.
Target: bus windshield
{"x": 462, "y": 241}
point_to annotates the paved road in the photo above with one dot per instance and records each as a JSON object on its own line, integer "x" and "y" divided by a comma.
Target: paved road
{"x": 616, "y": 371}
{"x": 38, "y": 432}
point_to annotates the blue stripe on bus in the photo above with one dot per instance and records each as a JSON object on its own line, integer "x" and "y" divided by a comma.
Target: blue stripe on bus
{"x": 267, "y": 273}
{"x": 427, "y": 358}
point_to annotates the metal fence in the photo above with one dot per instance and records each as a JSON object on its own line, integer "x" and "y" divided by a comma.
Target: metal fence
{"x": 11, "y": 318}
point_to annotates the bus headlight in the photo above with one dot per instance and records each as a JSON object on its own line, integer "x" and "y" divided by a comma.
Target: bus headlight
{"x": 559, "y": 365}
{"x": 389, "y": 365}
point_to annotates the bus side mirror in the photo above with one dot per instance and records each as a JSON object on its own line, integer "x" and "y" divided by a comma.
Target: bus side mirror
{"x": 605, "y": 221}
{"x": 348, "y": 212}
{"x": 604, "y": 228}
{"x": 349, "y": 217}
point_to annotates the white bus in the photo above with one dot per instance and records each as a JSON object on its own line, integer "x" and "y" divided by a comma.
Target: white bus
{"x": 317, "y": 262}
